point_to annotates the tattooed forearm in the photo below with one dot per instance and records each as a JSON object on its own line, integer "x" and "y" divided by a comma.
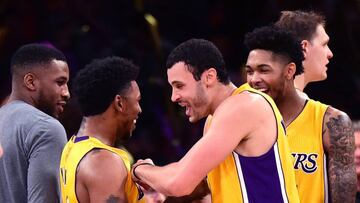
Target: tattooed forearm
{"x": 341, "y": 167}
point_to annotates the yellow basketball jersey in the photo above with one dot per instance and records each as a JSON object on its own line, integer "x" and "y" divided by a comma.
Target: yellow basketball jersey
{"x": 306, "y": 145}
{"x": 268, "y": 178}
{"x": 73, "y": 152}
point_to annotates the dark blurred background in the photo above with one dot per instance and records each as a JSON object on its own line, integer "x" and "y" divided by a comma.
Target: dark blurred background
{"x": 146, "y": 31}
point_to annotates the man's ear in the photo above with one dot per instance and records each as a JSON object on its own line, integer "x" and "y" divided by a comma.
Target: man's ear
{"x": 305, "y": 46}
{"x": 210, "y": 76}
{"x": 290, "y": 70}
{"x": 119, "y": 104}
{"x": 30, "y": 81}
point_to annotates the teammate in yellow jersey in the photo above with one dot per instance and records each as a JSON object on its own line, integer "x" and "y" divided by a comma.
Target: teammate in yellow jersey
{"x": 320, "y": 136}
{"x": 244, "y": 150}
{"x": 92, "y": 169}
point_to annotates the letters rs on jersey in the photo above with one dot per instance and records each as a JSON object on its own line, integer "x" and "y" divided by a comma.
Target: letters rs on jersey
{"x": 305, "y": 162}
{"x": 306, "y": 145}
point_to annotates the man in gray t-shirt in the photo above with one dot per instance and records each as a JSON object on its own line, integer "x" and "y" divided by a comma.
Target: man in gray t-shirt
{"x": 31, "y": 138}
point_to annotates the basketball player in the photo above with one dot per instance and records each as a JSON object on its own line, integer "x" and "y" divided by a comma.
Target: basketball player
{"x": 243, "y": 146}
{"x": 91, "y": 168}
{"x": 309, "y": 29}
{"x": 320, "y": 136}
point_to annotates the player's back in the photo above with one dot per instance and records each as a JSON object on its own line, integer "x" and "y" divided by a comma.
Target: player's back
{"x": 260, "y": 168}
{"x": 75, "y": 150}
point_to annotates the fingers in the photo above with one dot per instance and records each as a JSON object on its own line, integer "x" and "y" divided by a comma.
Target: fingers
{"x": 142, "y": 161}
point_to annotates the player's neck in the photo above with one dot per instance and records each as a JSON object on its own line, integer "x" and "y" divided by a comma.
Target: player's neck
{"x": 300, "y": 82}
{"x": 98, "y": 127}
{"x": 290, "y": 105}
{"x": 19, "y": 95}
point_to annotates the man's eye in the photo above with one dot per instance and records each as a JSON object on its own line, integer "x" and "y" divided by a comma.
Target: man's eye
{"x": 60, "y": 82}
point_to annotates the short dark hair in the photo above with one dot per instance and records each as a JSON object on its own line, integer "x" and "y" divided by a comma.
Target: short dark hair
{"x": 199, "y": 55}
{"x": 96, "y": 85}
{"x": 302, "y": 24}
{"x": 278, "y": 41}
{"x": 34, "y": 54}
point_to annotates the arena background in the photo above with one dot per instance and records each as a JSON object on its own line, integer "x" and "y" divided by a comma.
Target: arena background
{"x": 146, "y": 31}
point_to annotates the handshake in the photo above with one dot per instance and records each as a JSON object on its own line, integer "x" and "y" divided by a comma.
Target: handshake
{"x": 136, "y": 177}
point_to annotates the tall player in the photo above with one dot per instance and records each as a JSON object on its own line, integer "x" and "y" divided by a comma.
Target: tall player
{"x": 92, "y": 169}
{"x": 320, "y": 136}
{"x": 244, "y": 149}
{"x": 309, "y": 29}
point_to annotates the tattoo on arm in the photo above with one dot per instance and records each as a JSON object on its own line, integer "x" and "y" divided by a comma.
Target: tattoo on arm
{"x": 114, "y": 199}
{"x": 341, "y": 167}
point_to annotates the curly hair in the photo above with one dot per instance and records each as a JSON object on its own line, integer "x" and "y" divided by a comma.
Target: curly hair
{"x": 279, "y": 42}
{"x": 199, "y": 55}
{"x": 302, "y": 24}
{"x": 99, "y": 82}
{"x": 31, "y": 55}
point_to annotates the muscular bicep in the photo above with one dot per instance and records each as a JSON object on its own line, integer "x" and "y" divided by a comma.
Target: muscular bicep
{"x": 101, "y": 177}
{"x": 338, "y": 137}
{"x": 339, "y": 146}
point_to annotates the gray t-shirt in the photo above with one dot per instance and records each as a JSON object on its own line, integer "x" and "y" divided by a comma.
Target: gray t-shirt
{"x": 32, "y": 143}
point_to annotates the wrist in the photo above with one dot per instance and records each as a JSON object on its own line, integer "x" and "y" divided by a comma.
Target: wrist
{"x": 134, "y": 169}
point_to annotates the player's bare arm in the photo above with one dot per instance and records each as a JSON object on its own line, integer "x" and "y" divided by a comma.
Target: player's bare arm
{"x": 223, "y": 136}
{"x": 101, "y": 177}
{"x": 339, "y": 145}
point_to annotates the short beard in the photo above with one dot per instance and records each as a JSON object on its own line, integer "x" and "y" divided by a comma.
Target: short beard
{"x": 44, "y": 106}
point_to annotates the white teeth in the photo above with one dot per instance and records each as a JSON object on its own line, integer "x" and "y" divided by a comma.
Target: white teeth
{"x": 134, "y": 121}
{"x": 262, "y": 90}
{"x": 187, "y": 111}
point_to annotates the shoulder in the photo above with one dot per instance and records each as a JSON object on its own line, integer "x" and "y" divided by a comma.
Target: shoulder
{"x": 337, "y": 128}
{"x": 48, "y": 127}
{"x": 246, "y": 108}
{"x": 26, "y": 115}
{"x": 335, "y": 116}
{"x": 101, "y": 166}
{"x": 245, "y": 102}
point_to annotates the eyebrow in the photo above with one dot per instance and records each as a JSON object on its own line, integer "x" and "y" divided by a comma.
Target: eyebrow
{"x": 62, "y": 78}
{"x": 176, "y": 82}
{"x": 258, "y": 66}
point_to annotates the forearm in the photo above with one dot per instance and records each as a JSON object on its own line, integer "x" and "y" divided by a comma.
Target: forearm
{"x": 342, "y": 184}
{"x": 340, "y": 148}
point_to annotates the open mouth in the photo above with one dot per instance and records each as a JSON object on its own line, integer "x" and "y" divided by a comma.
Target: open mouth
{"x": 187, "y": 110}
{"x": 262, "y": 89}
{"x": 61, "y": 106}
